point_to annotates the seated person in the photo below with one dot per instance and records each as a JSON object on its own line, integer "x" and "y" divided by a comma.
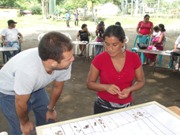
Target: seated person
{"x": 159, "y": 44}
{"x": 83, "y": 35}
{"x": 175, "y": 53}
{"x": 156, "y": 34}
{"x": 99, "y": 34}
{"x": 11, "y": 37}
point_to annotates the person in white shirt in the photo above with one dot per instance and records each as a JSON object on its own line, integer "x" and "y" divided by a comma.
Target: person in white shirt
{"x": 11, "y": 37}
{"x": 175, "y": 54}
{"x": 24, "y": 77}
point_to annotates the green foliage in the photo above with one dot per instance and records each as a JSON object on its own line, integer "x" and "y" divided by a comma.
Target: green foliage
{"x": 8, "y": 3}
{"x": 36, "y": 10}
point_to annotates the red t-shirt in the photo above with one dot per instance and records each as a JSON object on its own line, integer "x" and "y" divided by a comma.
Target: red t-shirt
{"x": 109, "y": 75}
{"x": 145, "y": 27}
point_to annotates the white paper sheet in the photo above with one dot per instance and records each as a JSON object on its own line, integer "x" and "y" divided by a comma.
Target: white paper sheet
{"x": 146, "y": 120}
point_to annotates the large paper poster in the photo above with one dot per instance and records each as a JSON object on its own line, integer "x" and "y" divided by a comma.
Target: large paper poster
{"x": 149, "y": 119}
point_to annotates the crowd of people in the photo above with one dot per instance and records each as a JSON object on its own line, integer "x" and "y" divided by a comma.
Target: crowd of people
{"x": 114, "y": 73}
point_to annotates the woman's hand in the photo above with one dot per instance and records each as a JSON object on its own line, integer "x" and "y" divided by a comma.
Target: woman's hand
{"x": 124, "y": 94}
{"x": 112, "y": 89}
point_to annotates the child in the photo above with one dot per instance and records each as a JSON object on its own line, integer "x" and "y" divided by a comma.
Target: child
{"x": 155, "y": 35}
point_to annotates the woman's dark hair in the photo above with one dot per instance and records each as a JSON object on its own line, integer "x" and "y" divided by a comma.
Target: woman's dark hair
{"x": 52, "y": 46}
{"x": 100, "y": 29}
{"x": 116, "y": 31}
{"x": 83, "y": 26}
{"x": 146, "y": 16}
{"x": 161, "y": 27}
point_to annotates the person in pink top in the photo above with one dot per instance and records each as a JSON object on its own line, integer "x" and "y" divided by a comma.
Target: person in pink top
{"x": 145, "y": 27}
{"x": 159, "y": 44}
{"x": 115, "y": 73}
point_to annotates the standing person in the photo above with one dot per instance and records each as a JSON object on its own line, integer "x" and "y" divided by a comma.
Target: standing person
{"x": 76, "y": 17}
{"x": 99, "y": 34}
{"x": 83, "y": 35}
{"x": 11, "y": 37}
{"x": 119, "y": 71}
{"x": 145, "y": 27}
{"x": 158, "y": 43}
{"x": 175, "y": 54}
{"x": 24, "y": 77}
{"x": 68, "y": 17}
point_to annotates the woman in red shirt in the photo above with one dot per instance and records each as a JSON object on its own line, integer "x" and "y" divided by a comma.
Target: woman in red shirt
{"x": 119, "y": 71}
{"x": 145, "y": 27}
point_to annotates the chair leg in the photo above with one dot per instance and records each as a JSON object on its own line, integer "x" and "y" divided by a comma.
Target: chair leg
{"x": 142, "y": 57}
{"x": 160, "y": 60}
{"x": 3, "y": 55}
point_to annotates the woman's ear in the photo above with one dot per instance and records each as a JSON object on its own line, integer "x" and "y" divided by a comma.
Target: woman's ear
{"x": 124, "y": 41}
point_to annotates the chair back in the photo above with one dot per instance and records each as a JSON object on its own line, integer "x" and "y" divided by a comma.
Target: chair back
{"x": 141, "y": 40}
{"x": 40, "y": 36}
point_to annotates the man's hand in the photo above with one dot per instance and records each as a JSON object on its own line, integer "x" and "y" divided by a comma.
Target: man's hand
{"x": 20, "y": 40}
{"x": 51, "y": 116}
{"x": 27, "y": 128}
{"x": 4, "y": 43}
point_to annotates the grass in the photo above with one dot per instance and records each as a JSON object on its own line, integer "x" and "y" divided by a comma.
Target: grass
{"x": 126, "y": 21}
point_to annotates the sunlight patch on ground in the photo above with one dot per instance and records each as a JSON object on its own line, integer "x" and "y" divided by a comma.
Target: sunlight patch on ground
{"x": 161, "y": 75}
{"x": 151, "y": 81}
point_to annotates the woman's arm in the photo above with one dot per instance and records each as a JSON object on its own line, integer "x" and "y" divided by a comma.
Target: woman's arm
{"x": 161, "y": 38}
{"x": 78, "y": 35}
{"x": 138, "y": 84}
{"x": 139, "y": 81}
{"x": 151, "y": 31}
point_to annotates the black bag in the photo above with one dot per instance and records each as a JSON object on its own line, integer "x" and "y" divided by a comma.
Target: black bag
{"x": 142, "y": 46}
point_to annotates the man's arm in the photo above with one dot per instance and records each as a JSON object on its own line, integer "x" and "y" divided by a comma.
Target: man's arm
{"x": 22, "y": 112}
{"x": 20, "y": 37}
{"x": 3, "y": 40}
{"x": 21, "y": 107}
{"x": 56, "y": 92}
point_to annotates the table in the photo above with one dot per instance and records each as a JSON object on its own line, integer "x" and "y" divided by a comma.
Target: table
{"x": 3, "y": 49}
{"x": 149, "y": 118}
{"x": 76, "y": 47}
{"x": 91, "y": 47}
{"x": 142, "y": 51}
{"x": 175, "y": 109}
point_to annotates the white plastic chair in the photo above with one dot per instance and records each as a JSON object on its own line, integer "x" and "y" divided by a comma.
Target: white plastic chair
{"x": 3, "y": 133}
{"x": 40, "y": 36}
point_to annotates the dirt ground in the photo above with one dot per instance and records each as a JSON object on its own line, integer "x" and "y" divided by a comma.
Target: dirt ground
{"x": 77, "y": 101}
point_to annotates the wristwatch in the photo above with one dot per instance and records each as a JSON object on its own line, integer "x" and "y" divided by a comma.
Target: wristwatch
{"x": 51, "y": 110}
